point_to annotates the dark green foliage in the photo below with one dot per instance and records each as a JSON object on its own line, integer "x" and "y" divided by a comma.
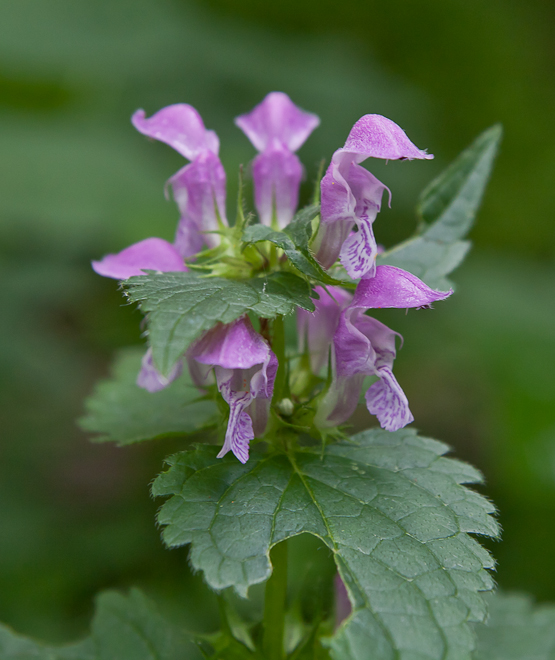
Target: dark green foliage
{"x": 391, "y": 508}
{"x": 294, "y": 240}
{"x": 180, "y": 306}
{"x": 123, "y": 628}
{"x": 121, "y": 412}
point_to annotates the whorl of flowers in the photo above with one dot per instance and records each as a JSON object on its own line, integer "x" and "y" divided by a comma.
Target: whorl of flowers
{"x": 339, "y": 337}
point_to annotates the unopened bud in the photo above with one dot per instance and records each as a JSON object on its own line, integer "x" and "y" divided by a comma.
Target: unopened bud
{"x": 286, "y": 407}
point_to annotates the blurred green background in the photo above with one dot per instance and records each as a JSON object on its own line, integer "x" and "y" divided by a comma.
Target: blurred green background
{"x": 76, "y": 181}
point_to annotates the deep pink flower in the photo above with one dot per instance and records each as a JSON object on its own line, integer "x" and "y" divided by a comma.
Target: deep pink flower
{"x": 365, "y": 347}
{"x": 351, "y": 196}
{"x": 245, "y": 369}
{"x": 198, "y": 188}
{"x": 277, "y": 128}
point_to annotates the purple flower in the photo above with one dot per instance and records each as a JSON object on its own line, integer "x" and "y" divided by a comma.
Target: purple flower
{"x": 316, "y": 329}
{"x": 342, "y": 603}
{"x": 277, "y": 128}
{"x": 351, "y": 196}
{"x": 198, "y": 188}
{"x": 151, "y": 379}
{"x": 150, "y": 254}
{"x": 245, "y": 369}
{"x": 365, "y": 347}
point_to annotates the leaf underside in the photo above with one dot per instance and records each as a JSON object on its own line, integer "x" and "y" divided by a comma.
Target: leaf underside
{"x": 391, "y": 508}
{"x": 121, "y": 412}
{"x": 180, "y": 306}
{"x": 447, "y": 209}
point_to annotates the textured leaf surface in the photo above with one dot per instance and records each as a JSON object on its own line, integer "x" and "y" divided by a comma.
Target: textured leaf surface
{"x": 123, "y": 628}
{"x": 301, "y": 258}
{"x": 447, "y": 208}
{"x": 516, "y": 630}
{"x": 293, "y": 240}
{"x": 120, "y": 411}
{"x": 180, "y": 306}
{"x": 389, "y": 505}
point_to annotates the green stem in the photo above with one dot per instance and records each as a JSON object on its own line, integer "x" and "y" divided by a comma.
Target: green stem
{"x": 274, "y": 604}
{"x": 278, "y": 346}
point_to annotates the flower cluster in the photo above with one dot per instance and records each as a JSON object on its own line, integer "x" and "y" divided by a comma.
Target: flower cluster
{"x": 237, "y": 358}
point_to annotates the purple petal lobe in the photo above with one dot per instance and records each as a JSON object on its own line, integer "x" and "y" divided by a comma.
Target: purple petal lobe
{"x": 316, "y": 329}
{"x": 150, "y": 254}
{"x": 232, "y": 346}
{"x": 277, "y": 174}
{"x": 394, "y": 287}
{"x": 245, "y": 369}
{"x": 151, "y": 379}
{"x": 181, "y": 127}
{"x": 362, "y": 347}
{"x": 374, "y": 136}
{"x": 388, "y": 402}
{"x": 239, "y": 427}
{"x": 351, "y": 196}
{"x": 359, "y": 251}
{"x": 277, "y": 118}
{"x": 199, "y": 191}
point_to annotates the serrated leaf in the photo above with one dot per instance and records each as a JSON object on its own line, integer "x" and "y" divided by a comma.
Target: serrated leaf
{"x": 180, "y": 306}
{"x": 120, "y": 411}
{"x": 447, "y": 208}
{"x": 294, "y": 242}
{"x": 123, "y": 628}
{"x": 389, "y": 505}
{"x": 516, "y": 630}
{"x": 300, "y": 228}
{"x": 130, "y": 628}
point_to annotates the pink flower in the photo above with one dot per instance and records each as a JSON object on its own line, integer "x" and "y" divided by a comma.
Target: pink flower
{"x": 198, "y": 188}
{"x": 351, "y": 195}
{"x": 365, "y": 347}
{"x": 245, "y": 369}
{"x": 277, "y": 128}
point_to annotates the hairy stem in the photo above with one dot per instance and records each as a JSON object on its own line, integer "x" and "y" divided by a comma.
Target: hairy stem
{"x": 274, "y": 604}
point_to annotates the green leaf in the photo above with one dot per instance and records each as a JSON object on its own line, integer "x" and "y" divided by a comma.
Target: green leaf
{"x": 300, "y": 228}
{"x": 123, "y": 628}
{"x": 391, "y": 508}
{"x": 516, "y": 630}
{"x": 16, "y": 647}
{"x": 120, "y": 411}
{"x": 180, "y": 306}
{"x": 294, "y": 242}
{"x": 447, "y": 209}
{"x": 130, "y": 628}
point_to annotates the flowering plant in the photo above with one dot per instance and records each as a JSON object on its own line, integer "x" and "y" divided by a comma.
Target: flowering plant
{"x": 263, "y": 338}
